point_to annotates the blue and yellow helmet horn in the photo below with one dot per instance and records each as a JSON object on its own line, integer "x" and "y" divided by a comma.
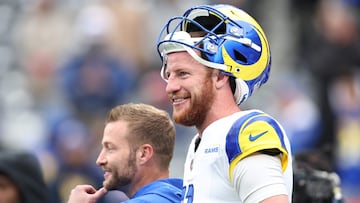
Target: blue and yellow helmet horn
{"x": 230, "y": 40}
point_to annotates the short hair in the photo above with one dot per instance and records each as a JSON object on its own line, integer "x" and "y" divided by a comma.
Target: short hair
{"x": 147, "y": 125}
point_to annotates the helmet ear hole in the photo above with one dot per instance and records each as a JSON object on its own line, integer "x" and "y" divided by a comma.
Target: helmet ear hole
{"x": 232, "y": 84}
{"x": 239, "y": 56}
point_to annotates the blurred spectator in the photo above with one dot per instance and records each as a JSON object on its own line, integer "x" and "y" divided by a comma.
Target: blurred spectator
{"x": 331, "y": 48}
{"x": 344, "y": 96}
{"x": 42, "y": 35}
{"x": 129, "y": 33}
{"x": 329, "y": 51}
{"x": 69, "y": 159}
{"x": 21, "y": 178}
{"x": 297, "y": 112}
{"x": 95, "y": 80}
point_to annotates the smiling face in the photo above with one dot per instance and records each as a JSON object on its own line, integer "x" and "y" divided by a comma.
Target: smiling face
{"x": 190, "y": 88}
{"x": 116, "y": 157}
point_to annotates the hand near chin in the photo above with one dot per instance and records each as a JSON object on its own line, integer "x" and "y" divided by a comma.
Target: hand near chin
{"x": 86, "y": 194}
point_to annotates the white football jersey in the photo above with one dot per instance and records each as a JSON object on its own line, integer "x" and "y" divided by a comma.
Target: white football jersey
{"x": 210, "y": 172}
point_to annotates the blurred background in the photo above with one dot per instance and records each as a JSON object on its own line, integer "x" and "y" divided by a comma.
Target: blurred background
{"x": 65, "y": 63}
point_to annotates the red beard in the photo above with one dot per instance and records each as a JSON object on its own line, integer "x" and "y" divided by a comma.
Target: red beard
{"x": 195, "y": 114}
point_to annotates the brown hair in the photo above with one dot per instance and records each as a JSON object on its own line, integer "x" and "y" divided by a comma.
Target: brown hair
{"x": 147, "y": 125}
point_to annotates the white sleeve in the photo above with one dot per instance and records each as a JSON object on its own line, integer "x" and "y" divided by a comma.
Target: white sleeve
{"x": 258, "y": 177}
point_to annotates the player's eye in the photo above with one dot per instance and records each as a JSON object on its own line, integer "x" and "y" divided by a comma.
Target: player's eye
{"x": 183, "y": 74}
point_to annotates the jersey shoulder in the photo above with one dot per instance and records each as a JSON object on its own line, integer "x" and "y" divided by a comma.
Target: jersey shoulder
{"x": 161, "y": 191}
{"x": 253, "y": 132}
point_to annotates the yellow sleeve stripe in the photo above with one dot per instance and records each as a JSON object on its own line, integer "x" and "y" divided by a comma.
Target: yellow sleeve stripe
{"x": 252, "y": 133}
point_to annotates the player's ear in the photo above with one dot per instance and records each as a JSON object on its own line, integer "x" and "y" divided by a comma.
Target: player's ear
{"x": 221, "y": 79}
{"x": 144, "y": 153}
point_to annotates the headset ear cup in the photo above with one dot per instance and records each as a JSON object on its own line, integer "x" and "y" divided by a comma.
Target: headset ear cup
{"x": 241, "y": 91}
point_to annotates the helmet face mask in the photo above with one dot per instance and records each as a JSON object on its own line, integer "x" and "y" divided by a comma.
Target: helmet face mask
{"x": 229, "y": 40}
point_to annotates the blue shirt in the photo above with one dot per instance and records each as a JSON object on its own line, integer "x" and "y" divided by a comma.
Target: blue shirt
{"x": 161, "y": 191}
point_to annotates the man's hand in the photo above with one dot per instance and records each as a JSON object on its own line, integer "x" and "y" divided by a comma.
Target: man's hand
{"x": 85, "y": 194}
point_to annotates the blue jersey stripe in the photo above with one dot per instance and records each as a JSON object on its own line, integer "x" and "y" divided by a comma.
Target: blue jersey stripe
{"x": 232, "y": 141}
{"x": 233, "y": 149}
